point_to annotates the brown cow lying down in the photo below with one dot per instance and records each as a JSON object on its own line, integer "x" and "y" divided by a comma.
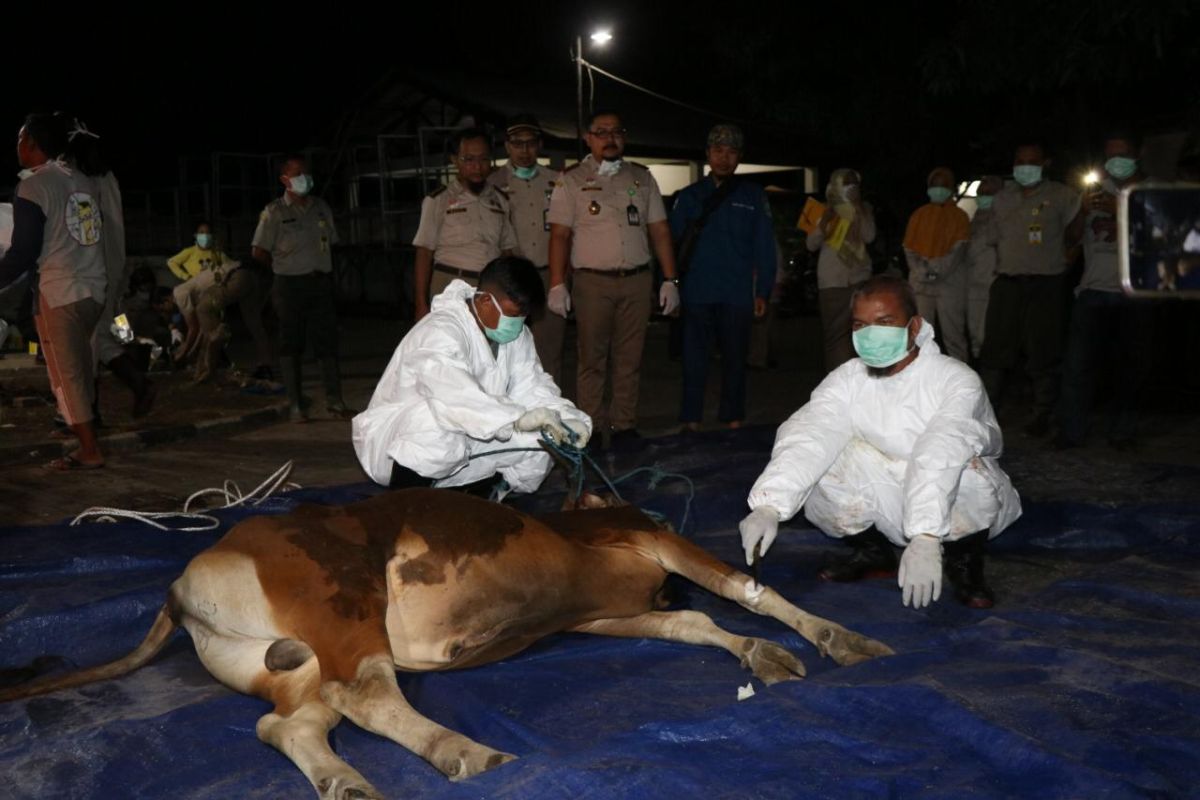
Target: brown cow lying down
{"x": 315, "y": 610}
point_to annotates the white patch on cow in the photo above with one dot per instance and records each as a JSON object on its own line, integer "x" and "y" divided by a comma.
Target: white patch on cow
{"x": 754, "y": 592}
{"x": 745, "y": 692}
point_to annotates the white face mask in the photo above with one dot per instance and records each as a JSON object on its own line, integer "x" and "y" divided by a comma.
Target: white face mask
{"x": 609, "y": 168}
{"x": 301, "y": 184}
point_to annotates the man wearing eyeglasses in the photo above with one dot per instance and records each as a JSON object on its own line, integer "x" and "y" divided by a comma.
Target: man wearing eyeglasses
{"x": 527, "y": 187}
{"x": 606, "y": 214}
{"x": 464, "y": 226}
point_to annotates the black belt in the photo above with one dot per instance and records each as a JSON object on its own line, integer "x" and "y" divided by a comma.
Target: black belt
{"x": 314, "y": 274}
{"x": 1025, "y": 278}
{"x": 456, "y": 272}
{"x": 615, "y": 273}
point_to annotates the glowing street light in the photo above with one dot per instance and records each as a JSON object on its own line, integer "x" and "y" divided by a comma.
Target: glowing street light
{"x": 600, "y": 38}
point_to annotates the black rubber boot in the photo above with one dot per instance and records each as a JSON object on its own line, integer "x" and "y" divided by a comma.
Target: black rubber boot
{"x": 963, "y": 565}
{"x": 873, "y": 557}
{"x": 405, "y": 478}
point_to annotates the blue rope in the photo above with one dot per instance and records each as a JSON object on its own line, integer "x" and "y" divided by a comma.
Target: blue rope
{"x": 579, "y": 460}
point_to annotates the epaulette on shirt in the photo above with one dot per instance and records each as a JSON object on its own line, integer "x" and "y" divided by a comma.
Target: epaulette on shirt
{"x": 576, "y": 165}
{"x": 642, "y": 167}
{"x": 436, "y": 191}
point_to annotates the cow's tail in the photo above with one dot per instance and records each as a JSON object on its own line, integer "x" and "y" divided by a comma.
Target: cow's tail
{"x": 160, "y": 633}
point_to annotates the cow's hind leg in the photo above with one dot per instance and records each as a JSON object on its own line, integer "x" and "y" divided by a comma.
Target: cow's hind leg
{"x": 300, "y": 724}
{"x": 373, "y": 701}
{"x": 769, "y": 662}
{"x": 678, "y": 555}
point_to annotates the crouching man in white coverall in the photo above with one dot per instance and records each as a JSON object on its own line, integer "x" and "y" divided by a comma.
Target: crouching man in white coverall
{"x": 464, "y": 382}
{"x": 901, "y": 443}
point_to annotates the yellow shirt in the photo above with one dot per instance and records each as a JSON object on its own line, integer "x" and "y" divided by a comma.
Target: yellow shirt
{"x": 934, "y": 229}
{"x": 194, "y": 260}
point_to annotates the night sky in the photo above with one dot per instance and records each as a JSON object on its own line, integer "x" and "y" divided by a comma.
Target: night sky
{"x": 892, "y": 88}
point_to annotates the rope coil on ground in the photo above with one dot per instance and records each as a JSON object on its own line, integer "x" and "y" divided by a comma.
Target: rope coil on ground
{"x": 230, "y": 492}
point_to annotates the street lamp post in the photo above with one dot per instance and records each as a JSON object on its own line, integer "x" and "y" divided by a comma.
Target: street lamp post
{"x": 579, "y": 96}
{"x": 599, "y": 37}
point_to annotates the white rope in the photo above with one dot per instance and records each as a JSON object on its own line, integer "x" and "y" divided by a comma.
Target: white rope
{"x": 80, "y": 130}
{"x": 230, "y": 492}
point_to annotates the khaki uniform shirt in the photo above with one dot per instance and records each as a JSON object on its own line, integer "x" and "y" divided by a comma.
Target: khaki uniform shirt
{"x": 607, "y": 215}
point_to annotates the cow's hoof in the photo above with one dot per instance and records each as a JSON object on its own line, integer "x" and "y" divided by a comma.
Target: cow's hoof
{"x": 770, "y": 662}
{"x": 847, "y": 647}
{"x": 469, "y": 759}
{"x": 347, "y": 788}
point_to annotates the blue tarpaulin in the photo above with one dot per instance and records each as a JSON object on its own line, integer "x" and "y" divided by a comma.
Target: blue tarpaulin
{"x": 1082, "y": 682}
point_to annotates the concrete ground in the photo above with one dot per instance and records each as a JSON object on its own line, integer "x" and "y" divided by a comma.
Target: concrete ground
{"x": 167, "y": 456}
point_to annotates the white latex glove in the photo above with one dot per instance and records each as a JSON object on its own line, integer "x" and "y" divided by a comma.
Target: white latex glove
{"x": 559, "y": 300}
{"x": 543, "y": 419}
{"x": 668, "y": 297}
{"x": 921, "y": 570}
{"x": 581, "y": 433}
{"x": 761, "y": 526}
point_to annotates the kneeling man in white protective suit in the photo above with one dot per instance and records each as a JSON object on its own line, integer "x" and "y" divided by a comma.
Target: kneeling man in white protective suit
{"x": 465, "y": 382}
{"x": 896, "y": 447}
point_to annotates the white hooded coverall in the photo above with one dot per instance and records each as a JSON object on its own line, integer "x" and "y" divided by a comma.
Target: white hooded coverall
{"x": 444, "y": 397}
{"x": 911, "y": 453}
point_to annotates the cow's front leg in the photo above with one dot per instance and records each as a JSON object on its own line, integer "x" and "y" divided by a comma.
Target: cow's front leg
{"x": 769, "y": 662}
{"x": 680, "y": 556}
{"x": 373, "y": 701}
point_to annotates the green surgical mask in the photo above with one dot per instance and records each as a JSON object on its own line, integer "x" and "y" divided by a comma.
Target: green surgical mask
{"x": 506, "y": 330}
{"x": 204, "y": 240}
{"x": 1121, "y": 167}
{"x": 1027, "y": 174}
{"x": 984, "y": 201}
{"x": 525, "y": 173}
{"x": 938, "y": 194}
{"x": 881, "y": 345}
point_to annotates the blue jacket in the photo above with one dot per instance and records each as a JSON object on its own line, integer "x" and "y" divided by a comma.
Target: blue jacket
{"x": 734, "y": 259}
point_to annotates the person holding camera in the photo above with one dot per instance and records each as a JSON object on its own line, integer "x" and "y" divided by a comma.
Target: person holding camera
{"x": 1106, "y": 326}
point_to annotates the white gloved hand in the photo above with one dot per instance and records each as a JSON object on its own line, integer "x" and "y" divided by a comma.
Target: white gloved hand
{"x": 761, "y": 526}
{"x": 581, "y": 433}
{"x": 559, "y": 300}
{"x": 668, "y": 298}
{"x": 921, "y": 570}
{"x": 543, "y": 419}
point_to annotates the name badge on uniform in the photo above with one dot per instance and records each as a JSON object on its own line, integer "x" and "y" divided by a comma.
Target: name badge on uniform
{"x": 593, "y": 208}
{"x": 1035, "y": 234}
{"x": 457, "y": 210}
{"x": 633, "y": 215}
